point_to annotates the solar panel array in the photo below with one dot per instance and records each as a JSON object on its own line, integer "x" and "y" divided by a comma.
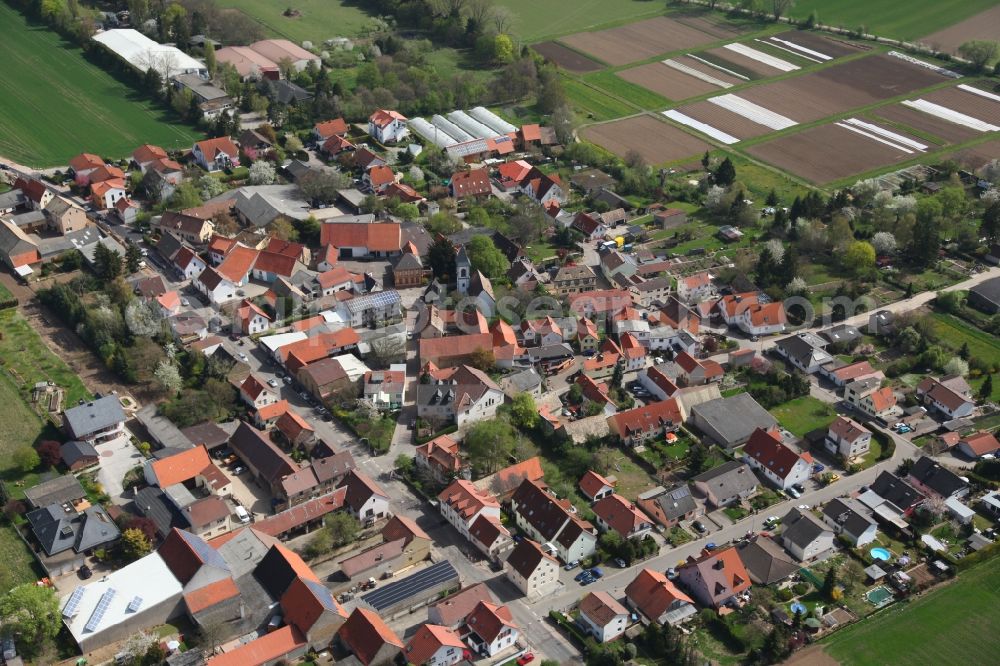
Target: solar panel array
{"x": 378, "y": 299}
{"x": 100, "y": 610}
{"x": 135, "y": 604}
{"x": 394, "y": 593}
{"x": 69, "y": 610}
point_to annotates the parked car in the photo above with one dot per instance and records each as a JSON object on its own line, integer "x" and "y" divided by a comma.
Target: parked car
{"x": 620, "y": 563}
{"x": 242, "y": 514}
{"x": 273, "y": 383}
{"x": 525, "y": 658}
{"x": 799, "y": 487}
{"x": 84, "y": 572}
{"x": 699, "y": 527}
{"x": 596, "y": 572}
{"x": 793, "y": 493}
{"x": 580, "y": 576}
{"x": 572, "y": 565}
{"x": 239, "y": 470}
{"x": 710, "y": 546}
{"x": 230, "y": 459}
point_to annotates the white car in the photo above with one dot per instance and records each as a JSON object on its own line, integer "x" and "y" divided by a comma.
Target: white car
{"x": 273, "y": 383}
{"x": 242, "y": 514}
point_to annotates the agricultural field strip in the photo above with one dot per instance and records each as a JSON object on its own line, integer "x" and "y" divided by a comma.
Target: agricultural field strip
{"x": 978, "y": 91}
{"x": 718, "y": 67}
{"x": 895, "y": 138}
{"x": 761, "y": 57}
{"x": 822, "y": 57}
{"x": 926, "y": 65}
{"x": 690, "y": 71}
{"x": 858, "y": 130}
{"x": 944, "y": 113}
{"x": 754, "y": 112}
{"x": 704, "y": 128}
{"x": 789, "y": 51}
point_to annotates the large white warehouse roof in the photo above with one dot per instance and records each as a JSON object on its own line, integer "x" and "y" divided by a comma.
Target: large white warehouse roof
{"x": 143, "y": 53}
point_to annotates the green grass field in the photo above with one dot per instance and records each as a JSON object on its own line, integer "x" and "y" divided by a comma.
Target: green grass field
{"x": 320, "y": 19}
{"x": 615, "y": 85}
{"x": 955, "y": 624}
{"x": 593, "y": 104}
{"x": 55, "y": 104}
{"x": 803, "y": 415}
{"x": 889, "y": 18}
{"x": 26, "y": 356}
{"x": 536, "y": 21}
{"x": 954, "y": 332}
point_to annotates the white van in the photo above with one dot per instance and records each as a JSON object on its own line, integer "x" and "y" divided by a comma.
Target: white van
{"x": 242, "y": 514}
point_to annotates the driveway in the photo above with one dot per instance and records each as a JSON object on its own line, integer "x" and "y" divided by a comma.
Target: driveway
{"x": 248, "y": 493}
{"x": 117, "y": 457}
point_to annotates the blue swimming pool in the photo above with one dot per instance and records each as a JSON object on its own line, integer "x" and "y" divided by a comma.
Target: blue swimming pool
{"x": 880, "y": 554}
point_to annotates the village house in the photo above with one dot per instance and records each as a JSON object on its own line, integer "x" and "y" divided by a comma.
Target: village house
{"x": 850, "y": 520}
{"x": 574, "y": 280}
{"x": 216, "y": 154}
{"x": 470, "y": 184}
{"x": 669, "y": 507}
{"x": 249, "y": 319}
{"x": 930, "y": 478}
{"x": 635, "y": 426}
{"x": 779, "y": 463}
{"x": 462, "y": 504}
{"x": 866, "y": 396}
{"x": 614, "y": 512}
{"x": 805, "y": 536}
{"x": 532, "y": 570}
{"x": 387, "y": 126}
{"x": 602, "y": 616}
{"x": 462, "y": 395}
{"x": 433, "y": 645}
{"x": 359, "y": 239}
{"x": 655, "y": 596}
{"x": 384, "y": 389}
{"x": 440, "y": 457}
{"x": 715, "y": 578}
{"x": 847, "y": 438}
{"x": 551, "y": 521}
{"x": 729, "y": 483}
{"x": 800, "y": 351}
{"x": 368, "y": 638}
{"x": 595, "y": 487}
{"x": 256, "y": 393}
{"x": 979, "y": 445}
{"x": 949, "y": 396}
{"x": 490, "y": 629}
{"x": 766, "y": 561}
{"x": 95, "y": 422}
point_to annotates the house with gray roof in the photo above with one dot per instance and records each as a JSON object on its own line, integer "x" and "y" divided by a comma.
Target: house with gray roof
{"x": 669, "y": 507}
{"x": 525, "y": 381}
{"x": 60, "y": 490}
{"x": 729, "y": 483}
{"x": 850, "y": 519}
{"x": 729, "y": 422}
{"x": 805, "y": 536}
{"x": 97, "y": 421}
{"x": 66, "y": 536}
{"x": 799, "y": 351}
{"x": 77, "y": 455}
{"x": 766, "y": 561}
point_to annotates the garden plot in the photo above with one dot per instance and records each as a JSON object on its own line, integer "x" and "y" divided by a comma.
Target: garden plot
{"x": 815, "y": 45}
{"x": 770, "y": 63}
{"x": 842, "y": 87}
{"x": 838, "y": 150}
{"x": 704, "y": 128}
{"x": 753, "y": 112}
{"x": 730, "y": 119}
{"x": 566, "y": 58}
{"x": 645, "y": 39}
{"x": 978, "y": 156}
{"x": 923, "y": 122}
{"x": 656, "y": 141}
{"x": 668, "y": 81}
{"x": 970, "y": 101}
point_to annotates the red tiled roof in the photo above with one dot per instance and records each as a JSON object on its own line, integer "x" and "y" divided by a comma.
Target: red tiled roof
{"x": 181, "y": 467}
{"x": 883, "y": 399}
{"x": 768, "y": 314}
{"x": 210, "y": 595}
{"x": 305, "y": 602}
{"x": 106, "y": 172}
{"x": 403, "y": 192}
{"x": 237, "y": 263}
{"x": 337, "y": 144}
{"x": 456, "y": 607}
{"x": 982, "y": 443}
{"x": 532, "y": 132}
{"x": 308, "y": 323}
{"x": 591, "y": 483}
{"x": 428, "y": 640}
{"x": 330, "y": 128}
{"x": 488, "y": 620}
{"x": 384, "y": 117}
{"x": 299, "y": 515}
{"x": 401, "y": 527}
{"x": 766, "y": 447}
{"x": 847, "y": 429}
{"x": 147, "y": 153}
{"x": 475, "y": 182}
{"x": 264, "y": 650}
{"x": 514, "y": 172}
{"x": 272, "y": 411}
{"x": 377, "y": 237}
{"x": 85, "y": 161}
{"x": 381, "y": 175}
{"x": 466, "y": 500}
{"x": 364, "y": 633}
{"x": 653, "y": 593}
{"x": 436, "y": 349}
{"x": 648, "y": 418}
{"x": 253, "y": 387}
{"x": 601, "y": 608}
{"x": 733, "y": 304}
{"x": 853, "y": 371}
{"x": 223, "y": 144}
{"x": 292, "y": 425}
{"x": 273, "y": 262}
{"x": 620, "y": 515}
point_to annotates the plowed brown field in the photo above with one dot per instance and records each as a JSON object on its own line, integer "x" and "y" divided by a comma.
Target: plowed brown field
{"x": 642, "y": 40}
{"x": 656, "y": 141}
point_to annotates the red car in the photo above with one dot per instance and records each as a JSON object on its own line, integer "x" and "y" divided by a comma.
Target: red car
{"x": 526, "y": 658}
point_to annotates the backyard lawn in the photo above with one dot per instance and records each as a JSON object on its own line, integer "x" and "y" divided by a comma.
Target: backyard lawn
{"x": 954, "y": 332}
{"x": 76, "y": 106}
{"x": 803, "y": 415}
{"x": 954, "y": 624}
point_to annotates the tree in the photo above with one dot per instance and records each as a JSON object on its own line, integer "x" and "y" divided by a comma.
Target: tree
{"x": 503, "y": 49}
{"x": 441, "y": 258}
{"x": 990, "y": 226}
{"x": 482, "y": 359}
{"x": 830, "y": 584}
{"x": 486, "y": 258}
{"x": 978, "y": 52}
{"x": 141, "y": 523}
{"x": 31, "y": 614}
{"x": 107, "y": 263}
{"x": 320, "y": 186}
{"x": 134, "y": 544}
{"x": 986, "y": 390}
{"x": 387, "y": 350}
{"x": 696, "y": 459}
{"x": 490, "y": 445}
{"x": 283, "y": 229}
{"x": 210, "y": 62}
{"x": 133, "y": 257}
{"x": 185, "y": 195}
{"x": 706, "y": 161}
{"x": 926, "y": 241}
{"x": 320, "y": 544}
{"x": 523, "y": 411}
{"x": 49, "y": 451}
{"x": 343, "y": 528}
{"x": 780, "y": 7}
{"x": 405, "y": 464}
{"x": 859, "y": 258}
{"x": 884, "y": 243}
{"x": 25, "y": 458}
{"x": 725, "y": 173}
{"x": 956, "y": 366}
{"x": 262, "y": 172}
{"x": 168, "y": 377}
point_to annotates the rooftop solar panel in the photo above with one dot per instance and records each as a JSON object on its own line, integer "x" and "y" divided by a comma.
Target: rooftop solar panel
{"x": 135, "y": 604}
{"x": 69, "y": 610}
{"x": 394, "y": 593}
{"x": 100, "y": 610}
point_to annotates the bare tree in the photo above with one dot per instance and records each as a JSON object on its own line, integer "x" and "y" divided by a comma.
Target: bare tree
{"x": 780, "y": 7}
{"x": 479, "y": 11}
{"x": 503, "y": 20}
{"x": 387, "y": 350}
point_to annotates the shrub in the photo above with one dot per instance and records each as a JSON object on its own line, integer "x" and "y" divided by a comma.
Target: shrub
{"x": 800, "y": 588}
{"x": 785, "y": 594}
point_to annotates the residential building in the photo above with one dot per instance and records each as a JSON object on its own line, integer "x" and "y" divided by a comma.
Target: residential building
{"x": 866, "y": 396}
{"x": 463, "y": 395}
{"x": 729, "y": 483}
{"x": 729, "y": 422}
{"x": 96, "y": 422}
{"x": 602, "y": 616}
{"x": 385, "y": 389}
{"x": 440, "y": 457}
{"x": 930, "y": 478}
{"x": 638, "y": 425}
{"x": 256, "y": 393}
{"x": 387, "y": 126}
{"x": 364, "y": 498}
{"x": 552, "y": 521}
{"x": 669, "y": 507}
{"x": 249, "y": 319}
{"x": 801, "y": 353}
{"x": 462, "y": 503}
{"x": 847, "y": 438}
{"x": 596, "y": 487}
{"x": 779, "y": 463}
{"x": 985, "y": 296}
{"x": 490, "y": 629}
{"x": 655, "y": 596}
{"x": 78, "y": 455}
{"x": 452, "y": 610}
{"x": 805, "y": 536}
{"x": 471, "y": 184}
{"x": 669, "y": 218}
{"x": 534, "y": 572}
{"x": 979, "y": 445}
{"x": 715, "y": 578}
{"x": 67, "y": 536}
{"x": 369, "y": 638}
{"x": 216, "y": 154}
{"x": 695, "y": 372}
{"x": 433, "y": 645}
{"x": 574, "y": 279}
{"x": 587, "y": 335}
{"x": 949, "y": 396}
{"x": 850, "y": 520}
{"x": 614, "y": 512}
{"x": 897, "y": 492}
{"x": 766, "y": 561}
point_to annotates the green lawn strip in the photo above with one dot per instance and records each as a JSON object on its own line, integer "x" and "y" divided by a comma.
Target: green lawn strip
{"x": 953, "y": 624}
{"x": 319, "y": 20}
{"x": 888, "y": 18}
{"x": 75, "y": 106}
{"x": 598, "y": 105}
{"x": 19, "y": 564}
{"x": 630, "y": 92}
{"x": 803, "y": 415}
{"x": 25, "y": 353}
{"x": 954, "y": 332}
{"x": 5, "y": 293}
